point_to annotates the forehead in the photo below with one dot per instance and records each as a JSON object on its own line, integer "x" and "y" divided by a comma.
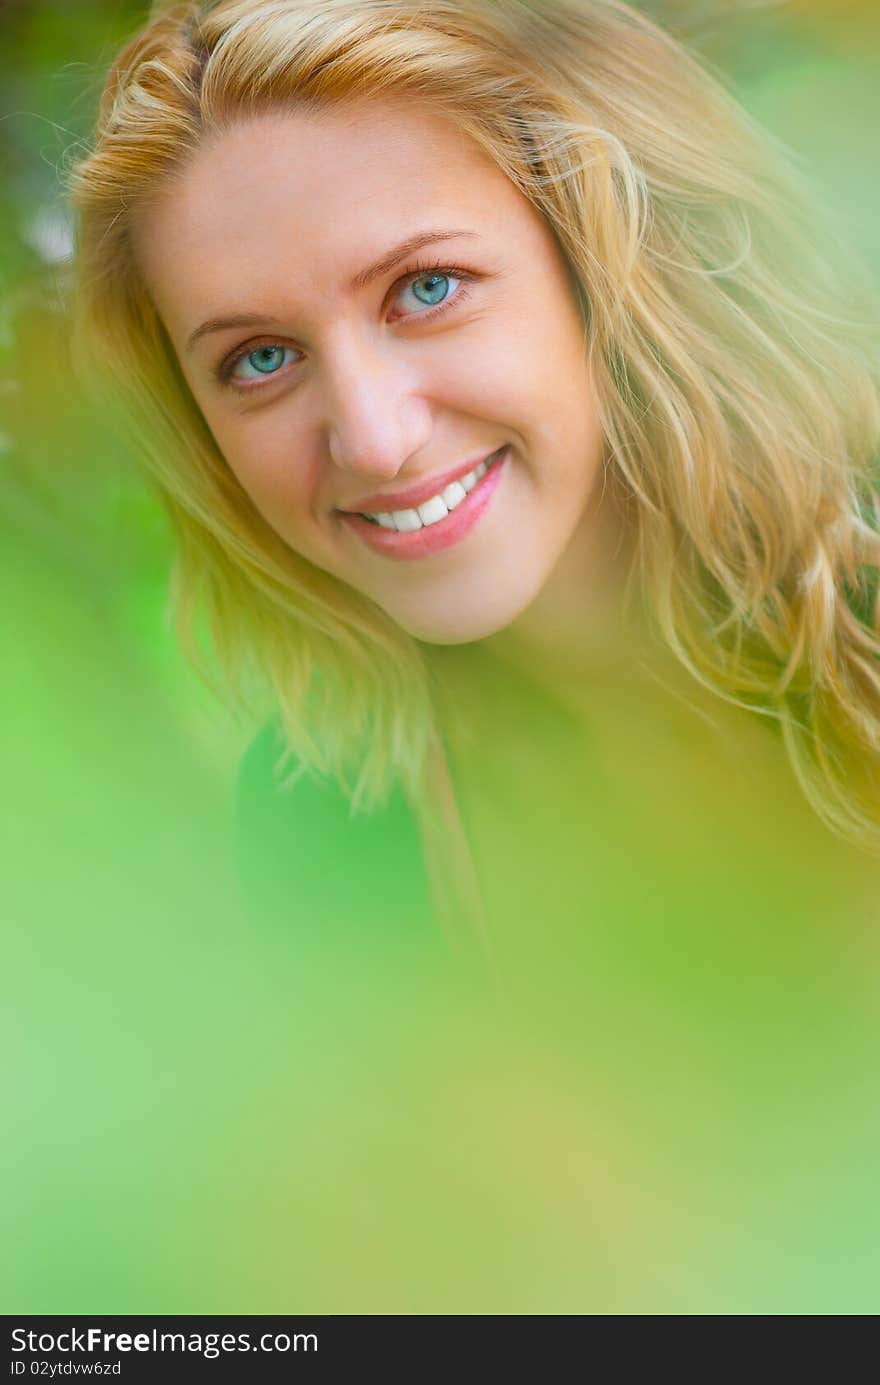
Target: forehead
{"x": 315, "y": 194}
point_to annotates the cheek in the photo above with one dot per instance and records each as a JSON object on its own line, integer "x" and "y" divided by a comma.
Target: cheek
{"x": 273, "y": 464}
{"x": 549, "y": 401}
{"x": 534, "y": 361}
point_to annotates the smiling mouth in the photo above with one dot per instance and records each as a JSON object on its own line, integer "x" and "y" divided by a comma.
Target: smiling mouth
{"x": 439, "y": 522}
{"x": 437, "y": 507}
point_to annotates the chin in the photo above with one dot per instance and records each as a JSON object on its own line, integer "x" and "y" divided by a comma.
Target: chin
{"x": 463, "y": 626}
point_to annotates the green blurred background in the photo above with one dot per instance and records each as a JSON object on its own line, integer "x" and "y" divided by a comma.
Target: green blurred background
{"x": 157, "y": 1090}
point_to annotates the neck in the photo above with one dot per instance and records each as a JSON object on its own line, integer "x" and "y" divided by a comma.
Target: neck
{"x": 587, "y": 616}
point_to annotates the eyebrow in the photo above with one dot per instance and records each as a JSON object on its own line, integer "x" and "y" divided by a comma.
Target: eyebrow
{"x": 361, "y": 280}
{"x": 400, "y": 252}
{"x": 222, "y": 324}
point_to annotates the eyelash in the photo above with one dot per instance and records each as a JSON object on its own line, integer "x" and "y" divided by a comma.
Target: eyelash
{"x": 223, "y": 372}
{"x": 422, "y": 271}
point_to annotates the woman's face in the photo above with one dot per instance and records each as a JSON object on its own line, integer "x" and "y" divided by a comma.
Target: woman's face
{"x": 367, "y": 311}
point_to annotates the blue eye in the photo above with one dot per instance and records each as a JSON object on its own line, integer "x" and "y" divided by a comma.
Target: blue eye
{"x": 430, "y": 289}
{"x": 263, "y": 360}
{"x": 267, "y": 359}
{"x": 433, "y": 288}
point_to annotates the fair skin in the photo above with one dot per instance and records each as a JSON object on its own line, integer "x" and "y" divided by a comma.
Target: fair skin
{"x": 337, "y": 396}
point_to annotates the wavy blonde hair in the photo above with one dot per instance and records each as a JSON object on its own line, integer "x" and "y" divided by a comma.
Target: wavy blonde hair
{"x": 737, "y": 379}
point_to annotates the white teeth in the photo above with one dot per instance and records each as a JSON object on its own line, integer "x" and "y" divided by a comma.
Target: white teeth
{"x": 468, "y": 482}
{"x": 453, "y": 495}
{"x": 433, "y": 510}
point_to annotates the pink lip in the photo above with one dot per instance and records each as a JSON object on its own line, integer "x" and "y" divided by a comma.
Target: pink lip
{"x": 432, "y": 538}
{"x": 416, "y": 495}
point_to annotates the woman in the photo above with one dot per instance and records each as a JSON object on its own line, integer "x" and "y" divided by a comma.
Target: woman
{"x": 519, "y": 438}
{"x": 341, "y": 257}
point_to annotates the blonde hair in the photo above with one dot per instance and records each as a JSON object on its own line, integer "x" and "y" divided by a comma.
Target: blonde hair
{"x": 736, "y": 379}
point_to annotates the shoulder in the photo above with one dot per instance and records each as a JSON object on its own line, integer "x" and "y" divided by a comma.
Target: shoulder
{"x": 306, "y": 863}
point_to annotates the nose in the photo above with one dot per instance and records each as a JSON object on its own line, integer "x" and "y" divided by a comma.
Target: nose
{"x": 375, "y": 418}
